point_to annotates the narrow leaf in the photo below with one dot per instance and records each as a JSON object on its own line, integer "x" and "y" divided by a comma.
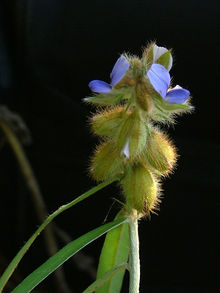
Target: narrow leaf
{"x": 63, "y": 255}
{"x": 114, "y": 252}
{"x": 105, "y": 278}
{"x": 15, "y": 261}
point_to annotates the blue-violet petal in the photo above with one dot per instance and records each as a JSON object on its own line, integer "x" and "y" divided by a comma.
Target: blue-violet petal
{"x": 119, "y": 70}
{"x": 177, "y": 95}
{"x": 99, "y": 86}
{"x": 159, "y": 78}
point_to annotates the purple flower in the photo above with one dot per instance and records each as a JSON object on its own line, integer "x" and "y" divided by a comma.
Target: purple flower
{"x": 118, "y": 71}
{"x": 160, "y": 80}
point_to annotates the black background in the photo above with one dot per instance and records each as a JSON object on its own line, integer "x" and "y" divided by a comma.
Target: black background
{"x": 49, "y": 51}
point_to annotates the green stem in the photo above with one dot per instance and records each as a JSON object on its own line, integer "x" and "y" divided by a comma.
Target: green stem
{"x": 12, "y": 266}
{"x": 134, "y": 260}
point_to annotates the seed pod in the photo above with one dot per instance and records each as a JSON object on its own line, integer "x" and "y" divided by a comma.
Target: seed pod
{"x": 140, "y": 189}
{"x": 106, "y": 162}
{"x": 132, "y": 135}
{"x": 159, "y": 154}
{"x": 108, "y": 122}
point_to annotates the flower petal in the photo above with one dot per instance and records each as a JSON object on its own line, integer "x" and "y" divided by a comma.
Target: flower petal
{"x": 158, "y": 52}
{"x": 99, "y": 86}
{"x": 119, "y": 70}
{"x": 125, "y": 151}
{"x": 159, "y": 78}
{"x": 170, "y": 63}
{"x": 177, "y": 95}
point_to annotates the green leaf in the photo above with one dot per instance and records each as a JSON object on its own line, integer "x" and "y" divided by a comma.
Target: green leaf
{"x": 15, "y": 261}
{"x": 105, "y": 278}
{"x": 114, "y": 252}
{"x": 63, "y": 255}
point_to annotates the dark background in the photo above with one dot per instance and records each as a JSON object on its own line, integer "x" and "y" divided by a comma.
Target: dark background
{"x": 49, "y": 51}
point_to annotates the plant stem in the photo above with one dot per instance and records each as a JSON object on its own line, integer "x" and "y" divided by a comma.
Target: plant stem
{"x": 134, "y": 260}
{"x": 12, "y": 266}
{"x": 37, "y": 198}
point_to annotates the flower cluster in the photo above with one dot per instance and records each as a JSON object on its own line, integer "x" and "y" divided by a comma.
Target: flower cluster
{"x": 132, "y": 146}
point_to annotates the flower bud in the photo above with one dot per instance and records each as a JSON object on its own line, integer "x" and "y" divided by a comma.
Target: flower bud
{"x": 108, "y": 122}
{"x": 132, "y": 135}
{"x": 154, "y": 54}
{"x": 140, "y": 189}
{"x": 159, "y": 154}
{"x": 106, "y": 162}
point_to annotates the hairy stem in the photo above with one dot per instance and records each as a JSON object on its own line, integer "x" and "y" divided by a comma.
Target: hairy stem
{"x": 134, "y": 260}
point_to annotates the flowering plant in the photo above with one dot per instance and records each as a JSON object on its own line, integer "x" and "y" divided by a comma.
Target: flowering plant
{"x": 133, "y": 151}
{"x": 132, "y": 146}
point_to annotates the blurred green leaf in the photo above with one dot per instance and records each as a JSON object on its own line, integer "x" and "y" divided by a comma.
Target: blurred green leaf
{"x": 63, "y": 255}
{"x": 114, "y": 252}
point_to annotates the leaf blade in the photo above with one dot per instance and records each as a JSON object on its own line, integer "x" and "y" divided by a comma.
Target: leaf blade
{"x": 16, "y": 260}
{"x": 105, "y": 278}
{"x": 114, "y": 252}
{"x": 63, "y": 255}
